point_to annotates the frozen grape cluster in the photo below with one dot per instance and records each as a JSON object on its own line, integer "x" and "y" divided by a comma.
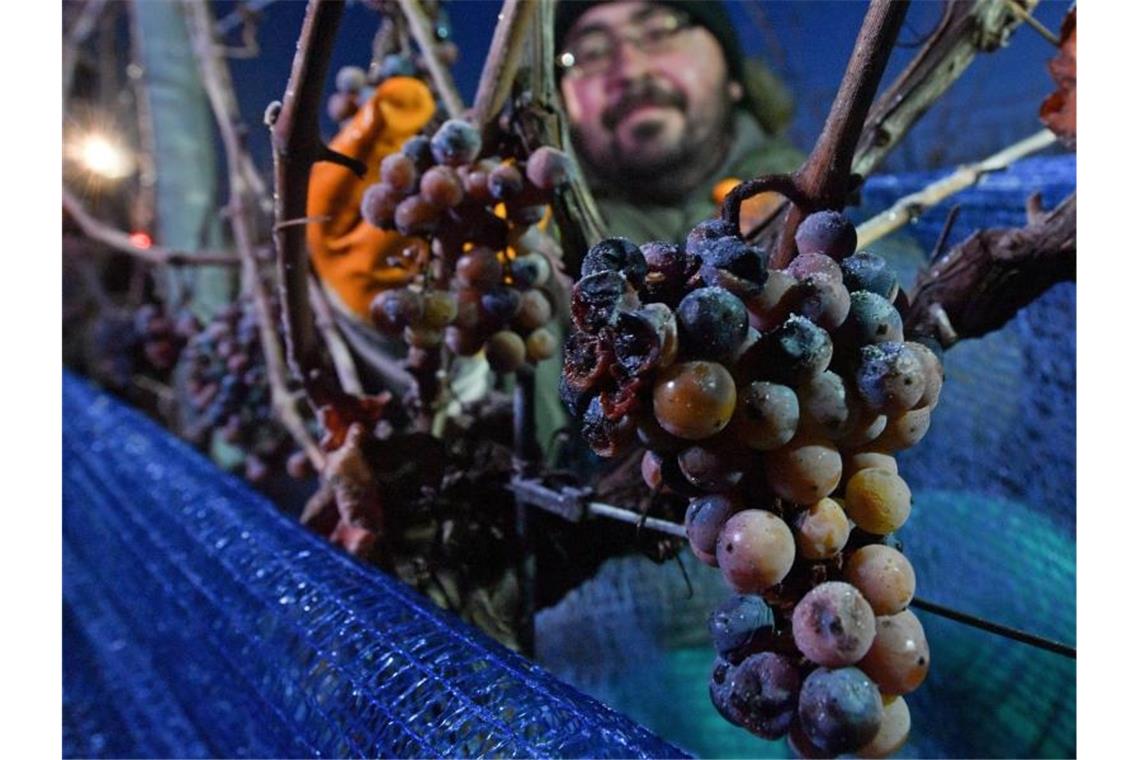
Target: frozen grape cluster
{"x": 228, "y": 395}
{"x": 774, "y": 399}
{"x": 474, "y": 225}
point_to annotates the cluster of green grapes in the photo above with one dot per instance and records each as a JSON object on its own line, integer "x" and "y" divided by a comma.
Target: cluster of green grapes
{"x": 228, "y": 395}
{"x": 486, "y": 278}
{"x": 774, "y": 400}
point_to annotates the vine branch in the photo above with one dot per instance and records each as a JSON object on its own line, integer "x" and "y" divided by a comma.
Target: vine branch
{"x": 980, "y": 284}
{"x": 121, "y": 241}
{"x": 503, "y": 59}
{"x": 296, "y": 146}
{"x": 910, "y": 207}
{"x": 421, "y": 29}
{"x": 219, "y": 89}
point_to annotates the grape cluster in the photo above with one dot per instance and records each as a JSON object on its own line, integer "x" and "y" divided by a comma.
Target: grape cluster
{"x": 774, "y": 399}
{"x": 487, "y": 278}
{"x": 228, "y": 395}
{"x": 148, "y": 340}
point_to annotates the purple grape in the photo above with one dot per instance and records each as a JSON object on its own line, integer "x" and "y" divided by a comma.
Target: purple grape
{"x": 713, "y": 470}
{"x": 889, "y": 377}
{"x": 704, "y": 518}
{"x": 871, "y": 319}
{"x": 418, "y": 148}
{"x": 827, "y": 232}
{"x": 765, "y": 693}
{"x": 840, "y": 710}
{"x": 734, "y": 255}
{"x": 712, "y": 324}
{"x": 455, "y": 143}
{"x": 791, "y": 354}
{"x": 870, "y": 272}
{"x": 707, "y": 232}
{"x": 739, "y": 621}
{"x": 500, "y": 303}
{"x": 668, "y": 269}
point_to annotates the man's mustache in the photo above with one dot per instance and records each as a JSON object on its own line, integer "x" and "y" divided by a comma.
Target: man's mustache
{"x": 641, "y": 93}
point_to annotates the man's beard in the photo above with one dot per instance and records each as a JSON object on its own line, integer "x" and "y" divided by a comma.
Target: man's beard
{"x": 655, "y": 173}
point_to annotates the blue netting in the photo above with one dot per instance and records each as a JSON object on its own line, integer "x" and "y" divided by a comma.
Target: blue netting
{"x": 200, "y": 622}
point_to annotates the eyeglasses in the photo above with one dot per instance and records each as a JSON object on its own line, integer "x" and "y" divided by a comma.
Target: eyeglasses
{"x": 594, "y": 51}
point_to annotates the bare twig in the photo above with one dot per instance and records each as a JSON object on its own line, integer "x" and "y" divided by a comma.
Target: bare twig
{"x": 965, "y": 29}
{"x": 421, "y": 28}
{"x": 1033, "y": 23}
{"x": 219, "y": 89}
{"x": 503, "y": 59}
{"x": 984, "y": 281}
{"x": 121, "y": 241}
{"x": 296, "y": 146}
{"x": 910, "y": 207}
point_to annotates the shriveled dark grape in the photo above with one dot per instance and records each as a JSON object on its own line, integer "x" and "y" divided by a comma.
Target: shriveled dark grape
{"x": 705, "y": 518}
{"x": 597, "y": 299}
{"x": 616, "y": 255}
{"x": 870, "y": 272}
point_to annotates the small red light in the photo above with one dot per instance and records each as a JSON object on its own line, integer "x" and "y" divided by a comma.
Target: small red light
{"x": 141, "y": 240}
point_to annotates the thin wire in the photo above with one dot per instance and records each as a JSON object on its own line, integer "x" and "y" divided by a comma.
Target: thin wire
{"x": 1001, "y": 630}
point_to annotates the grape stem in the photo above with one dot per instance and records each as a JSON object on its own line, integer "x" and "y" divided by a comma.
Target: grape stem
{"x": 152, "y": 254}
{"x": 296, "y": 147}
{"x": 824, "y": 180}
{"x": 242, "y": 206}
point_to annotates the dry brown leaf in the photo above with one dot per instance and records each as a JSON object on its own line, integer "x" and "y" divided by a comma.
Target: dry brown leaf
{"x": 1059, "y": 111}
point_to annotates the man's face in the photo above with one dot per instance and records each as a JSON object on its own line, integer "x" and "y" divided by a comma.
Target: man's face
{"x": 648, "y": 91}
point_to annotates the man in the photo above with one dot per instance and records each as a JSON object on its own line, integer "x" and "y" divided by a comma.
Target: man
{"x": 662, "y": 112}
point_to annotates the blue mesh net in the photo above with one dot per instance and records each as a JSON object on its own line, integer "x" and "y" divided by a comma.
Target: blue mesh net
{"x": 199, "y": 622}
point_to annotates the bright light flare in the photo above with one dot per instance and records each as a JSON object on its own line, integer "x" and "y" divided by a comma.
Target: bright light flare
{"x": 102, "y": 156}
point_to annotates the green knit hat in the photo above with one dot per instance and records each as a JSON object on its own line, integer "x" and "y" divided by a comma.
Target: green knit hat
{"x": 711, "y": 14}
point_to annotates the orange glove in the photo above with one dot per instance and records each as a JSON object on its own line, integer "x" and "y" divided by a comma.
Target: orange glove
{"x": 350, "y": 255}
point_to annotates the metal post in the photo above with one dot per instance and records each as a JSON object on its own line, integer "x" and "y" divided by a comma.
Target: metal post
{"x": 526, "y": 458}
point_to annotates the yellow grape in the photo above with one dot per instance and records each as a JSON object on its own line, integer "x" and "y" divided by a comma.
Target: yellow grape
{"x": 899, "y": 657}
{"x": 877, "y": 500}
{"x": 804, "y": 471}
{"x": 822, "y": 530}
{"x": 694, "y": 400}
{"x": 883, "y": 575}
{"x": 893, "y": 731}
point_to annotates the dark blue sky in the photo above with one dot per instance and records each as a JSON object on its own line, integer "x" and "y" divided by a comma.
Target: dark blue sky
{"x": 806, "y": 41}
